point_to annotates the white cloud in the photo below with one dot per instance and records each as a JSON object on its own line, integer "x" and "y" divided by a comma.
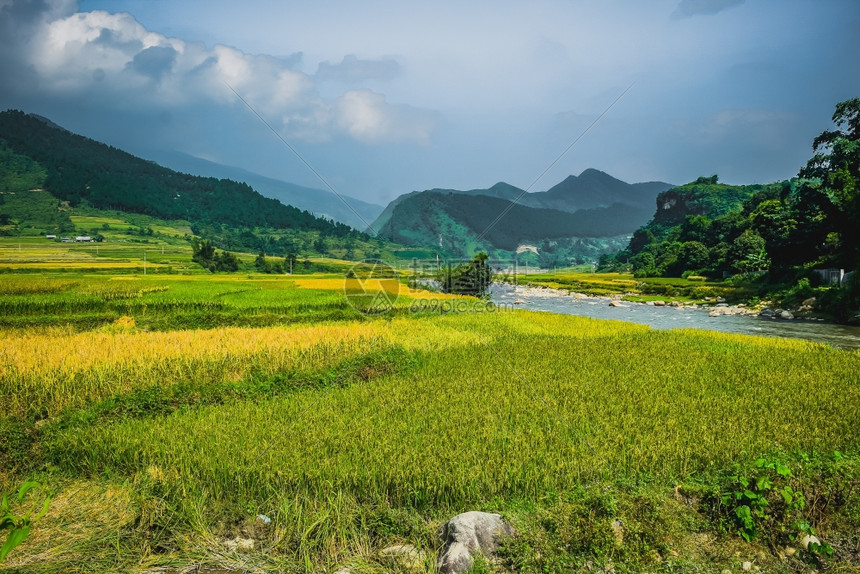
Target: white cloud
{"x": 367, "y": 117}
{"x": 98, "y": 56}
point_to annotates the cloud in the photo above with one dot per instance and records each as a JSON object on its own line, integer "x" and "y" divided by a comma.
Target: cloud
{"x": 351, "y": 70}
{"x": 154, "y": 61}
{"x": 764, "y": 127}
{"x": 111, "y": 61}
{"x": 690, "y": 8}
{"x": 367, "y": 117}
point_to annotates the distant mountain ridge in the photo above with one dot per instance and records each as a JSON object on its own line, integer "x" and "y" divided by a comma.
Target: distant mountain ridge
{"x": 591, "y": 205}
{"x": 322, "y": 203}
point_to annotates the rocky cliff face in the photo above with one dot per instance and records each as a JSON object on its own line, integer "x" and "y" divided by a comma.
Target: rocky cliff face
{"x": 676, "y": 204}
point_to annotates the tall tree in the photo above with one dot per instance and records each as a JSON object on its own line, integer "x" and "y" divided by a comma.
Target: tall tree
{"x": 836, "y": 164}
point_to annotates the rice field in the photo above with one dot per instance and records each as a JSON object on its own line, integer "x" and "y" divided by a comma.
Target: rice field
{"x": 168, "y": 435}
{"x": 692, "y": 289}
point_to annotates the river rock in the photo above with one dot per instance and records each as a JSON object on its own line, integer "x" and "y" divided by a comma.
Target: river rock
{"x": 766, "y": 312}
{"x": 467, "y": 534}
{"x": 615, "y": 303}
{"x": 786, "y": 315}
{"x": 810, "y": 303}
{"x": 659, "y": 303}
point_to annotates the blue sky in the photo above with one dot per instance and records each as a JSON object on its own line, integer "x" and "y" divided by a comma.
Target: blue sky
{"x": 383, "y": 98}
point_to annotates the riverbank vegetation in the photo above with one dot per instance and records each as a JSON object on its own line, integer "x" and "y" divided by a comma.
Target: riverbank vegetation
{"x": 781, "y": 240}
{"x": 198, "y": 404}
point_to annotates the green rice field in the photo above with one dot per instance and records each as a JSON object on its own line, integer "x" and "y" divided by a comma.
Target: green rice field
{"x": 167, "y": 412}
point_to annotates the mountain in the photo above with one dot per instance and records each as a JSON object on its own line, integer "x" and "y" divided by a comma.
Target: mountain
{"x": 322, "y": 203}
{"x": 450, "y": 217}
{"x": 78, "y": 169}
{"x": 594, "y": 188}
{"x": 593, "y": 205}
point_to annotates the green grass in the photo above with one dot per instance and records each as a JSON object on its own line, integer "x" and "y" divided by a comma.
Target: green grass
{"x": 353, "y": 433}
{"x": 653, "y": 288}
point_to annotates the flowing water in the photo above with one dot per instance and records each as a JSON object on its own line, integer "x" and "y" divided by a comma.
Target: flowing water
{"x": 535, "y": 299}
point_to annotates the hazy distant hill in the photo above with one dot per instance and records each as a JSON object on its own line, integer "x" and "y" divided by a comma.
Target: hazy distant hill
{"x": 322, "y": 203}
{"x": 593, "y": 205}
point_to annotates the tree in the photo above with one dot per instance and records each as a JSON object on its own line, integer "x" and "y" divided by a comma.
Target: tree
{"x": 694, "y": 255}
{"x": 748, "y": 253}
{"x": 472, "y": 278}
{"x": 319, "y": 245}
{"x": 836, "y": 165}
{"x": 202, "y": 251}
{"x": 260, "y": 263}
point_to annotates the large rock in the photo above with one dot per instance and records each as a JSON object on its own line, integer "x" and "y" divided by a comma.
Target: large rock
{"x": 467, "y": 534}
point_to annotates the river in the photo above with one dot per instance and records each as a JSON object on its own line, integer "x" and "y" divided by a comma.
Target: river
{"x": 536, "y": 299}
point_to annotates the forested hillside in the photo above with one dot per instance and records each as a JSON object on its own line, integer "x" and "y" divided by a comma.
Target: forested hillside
{"x": 576, "y": 220}
{"x": 79, "y": 169}
{"x": 779, "y": 233}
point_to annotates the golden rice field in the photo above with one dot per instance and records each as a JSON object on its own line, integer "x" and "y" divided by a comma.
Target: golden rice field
{"x": 353, "y": 433}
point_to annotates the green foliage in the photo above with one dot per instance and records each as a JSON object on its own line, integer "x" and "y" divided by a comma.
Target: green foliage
{"x": 745, "y": 498}
{"x": 769, "y": 502}
{"x": 783, "y": 228}
{"x": 459, "y": 220}
{"x": 19, "y": 172}
{"x": 34, "y": 213}
{"x": 206, "y": 255}
{"x": 472, "y": 278}
{"x": 79, "y": 169}
{"x": 18, "y": 525}
{"x": 836, "y": 166}
{"x": 748, "y": 253}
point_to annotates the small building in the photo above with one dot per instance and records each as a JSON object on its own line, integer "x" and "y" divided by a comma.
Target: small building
{"x": 83, "y": 239}
{"x": 66, "y": 239}
{"x": 50, "y": 236}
